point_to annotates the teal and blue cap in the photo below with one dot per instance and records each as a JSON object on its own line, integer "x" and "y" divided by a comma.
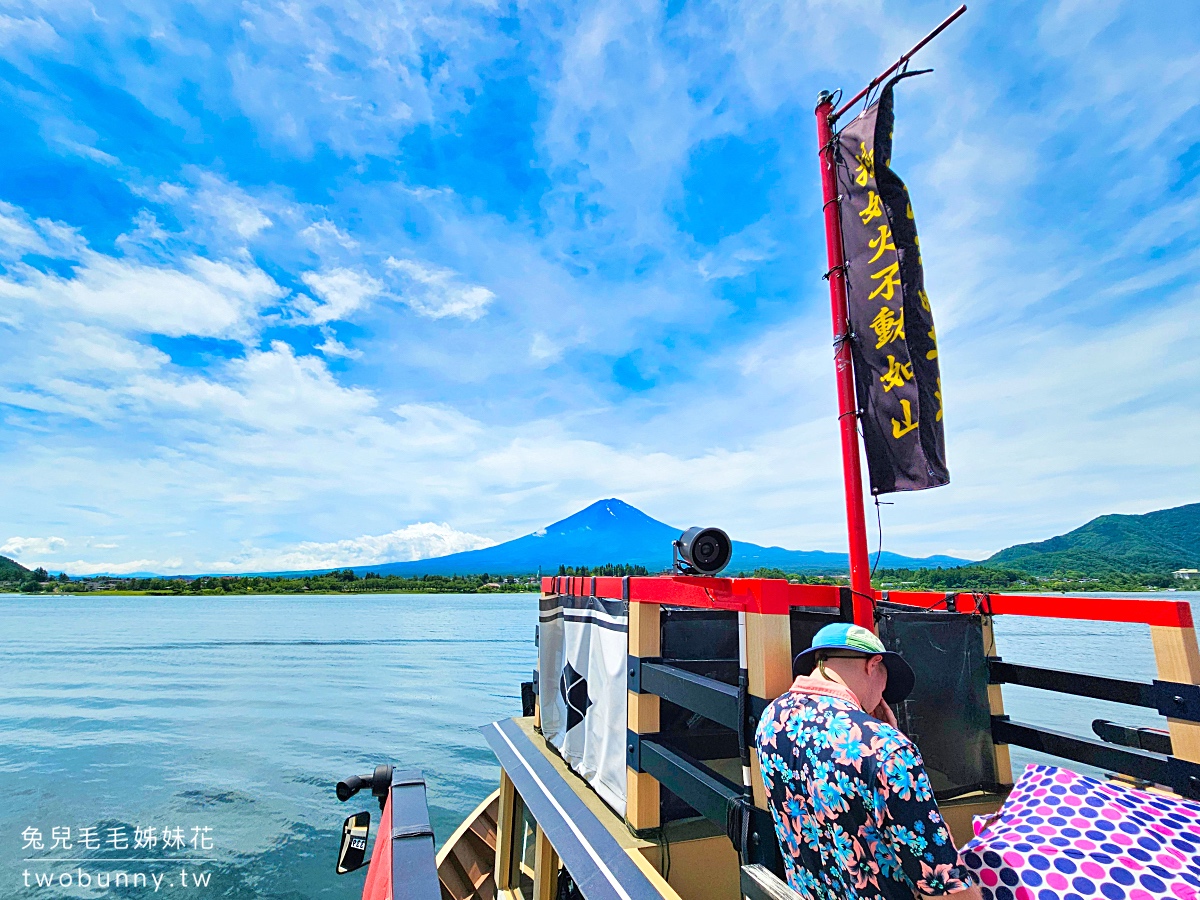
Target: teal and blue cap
{"x": 845, "y": 637}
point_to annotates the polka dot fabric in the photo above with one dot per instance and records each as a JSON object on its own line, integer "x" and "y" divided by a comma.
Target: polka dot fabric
{"x": 1061, "y": 836}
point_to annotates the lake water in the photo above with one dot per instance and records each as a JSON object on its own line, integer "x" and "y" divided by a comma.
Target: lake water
{"x": 239, "y": 714}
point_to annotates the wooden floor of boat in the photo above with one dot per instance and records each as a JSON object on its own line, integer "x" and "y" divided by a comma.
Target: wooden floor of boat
{"x": 466, "y": 863}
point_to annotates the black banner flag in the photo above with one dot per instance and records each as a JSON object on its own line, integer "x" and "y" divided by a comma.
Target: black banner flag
{"x": 894, "y": 346}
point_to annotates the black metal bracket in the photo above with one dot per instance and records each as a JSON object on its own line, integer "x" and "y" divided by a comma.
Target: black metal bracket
{"x": 846, "y": 604}
{"x": 1184, "y": 777}
{"x": 528, "y": 698}
{"x": 633, "y": 750}
{"x": 1177, "y": 701}
{"x": 635, "y": 671}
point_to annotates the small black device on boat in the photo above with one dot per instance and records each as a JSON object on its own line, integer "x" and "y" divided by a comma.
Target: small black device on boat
{"x": 378, "y": 781}
{"x": 405, "y": 834}
{"x": 703, "y": 551}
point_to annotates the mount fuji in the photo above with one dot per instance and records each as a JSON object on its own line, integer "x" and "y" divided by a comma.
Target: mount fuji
{"x": 612, "y": 531}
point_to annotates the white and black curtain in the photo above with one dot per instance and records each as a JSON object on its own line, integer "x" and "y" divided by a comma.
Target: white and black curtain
{"x": 582, "y": 648}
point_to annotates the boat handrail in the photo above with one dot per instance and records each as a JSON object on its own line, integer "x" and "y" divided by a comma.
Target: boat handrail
{"x": 776, "y": 595}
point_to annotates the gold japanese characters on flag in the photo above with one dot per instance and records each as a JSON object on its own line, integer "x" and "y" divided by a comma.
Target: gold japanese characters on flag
{"x": 894, "y": 345}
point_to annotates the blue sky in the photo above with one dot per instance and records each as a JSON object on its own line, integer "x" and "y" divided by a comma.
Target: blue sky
{"x": 288, "y": 285}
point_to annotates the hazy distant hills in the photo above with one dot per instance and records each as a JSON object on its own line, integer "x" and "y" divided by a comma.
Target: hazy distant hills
{"x": 1160, "y": 541}
{"x": 612, "y": 531}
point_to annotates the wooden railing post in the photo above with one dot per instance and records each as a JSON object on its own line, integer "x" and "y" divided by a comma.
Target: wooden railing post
{"x": 769, "y": 667}
{"x": 504, "y": 833}
{"x": 1178, "y": 659}
{"x": 545, "y": 868}
{"x": 641, "y": 790}
{"x": 1004, "y": 774}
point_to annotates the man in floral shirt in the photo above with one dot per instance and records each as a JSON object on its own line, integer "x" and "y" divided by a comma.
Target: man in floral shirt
{"x": 853, "y": 807}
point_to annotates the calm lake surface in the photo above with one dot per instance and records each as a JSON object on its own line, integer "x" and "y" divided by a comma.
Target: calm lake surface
{"x": 239, "y": 714}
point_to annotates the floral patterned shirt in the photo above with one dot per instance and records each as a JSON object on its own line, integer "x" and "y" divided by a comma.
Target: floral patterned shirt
{"x": 853, "y": 807}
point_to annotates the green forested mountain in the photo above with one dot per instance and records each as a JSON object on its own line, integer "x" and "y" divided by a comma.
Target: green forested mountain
{"x": 1159, "y": 541}
{"x": 11, "y": 570}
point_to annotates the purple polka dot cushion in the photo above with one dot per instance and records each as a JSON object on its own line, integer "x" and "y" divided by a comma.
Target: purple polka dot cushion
{"x": 1061, "y": 836}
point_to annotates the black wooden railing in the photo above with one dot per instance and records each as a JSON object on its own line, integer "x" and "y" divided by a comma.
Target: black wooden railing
{"x": 1178, "y": 701}
{"x": 676, "y": 760}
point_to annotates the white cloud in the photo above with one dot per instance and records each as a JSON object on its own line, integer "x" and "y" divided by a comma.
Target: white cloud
{"x": 238, "y": 212}
{"x": 421, "y": 540}
{"x": 35, "y": 32}
{"x": 78, "y": 567}
{"x": 21, "y": 234}
{"x": 342, "y": 292}
{"x": 146, "y": 232}
{"x": 202, "y": 297}
{"x": 29, "y": 547}
{"x": 323, "y": 233}
{"x": 196, "y": 296}
{"x": 437, "y": 292}
{"x": 543, "y": 349}
{"x": 411, "y": 65}
{"x": 331, "y": 346}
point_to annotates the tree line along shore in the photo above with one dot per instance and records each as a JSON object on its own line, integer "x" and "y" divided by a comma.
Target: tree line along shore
{"x": 992, "y": 579}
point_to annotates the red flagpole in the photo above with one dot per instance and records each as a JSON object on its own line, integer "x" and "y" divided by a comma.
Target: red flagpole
{"x": 856, "y": 521}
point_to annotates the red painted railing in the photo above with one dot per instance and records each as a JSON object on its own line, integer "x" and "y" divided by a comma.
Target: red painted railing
{"x": 776, "y": 596}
